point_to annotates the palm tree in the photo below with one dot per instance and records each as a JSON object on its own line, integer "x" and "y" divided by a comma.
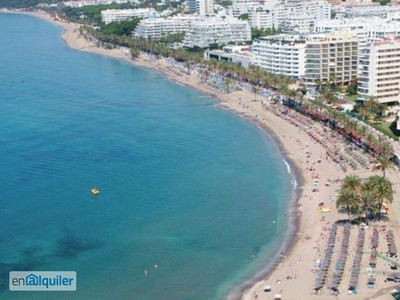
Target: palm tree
{"x": 382, "y": 189}
{"x": 352, "y": 184}
{"x": 383, "y": 146}
{"x": 188, "y": 65}
{"x": 363, "y": 130}
{"x": 371, "y": 103}
{"x": 135, "y": 53}
{"x": 367, "y": 201}
{"x": 255, "y": 90}
{"x": 206, "y": 74}
{"x": 346, "y": 198}
{"x": 384, "y": 164}
{"x": 318, "y": 83}
{"x": 228, "y": 83}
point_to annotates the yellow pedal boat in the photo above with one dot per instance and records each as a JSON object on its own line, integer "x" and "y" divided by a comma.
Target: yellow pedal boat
{"x": 95, "y": 191}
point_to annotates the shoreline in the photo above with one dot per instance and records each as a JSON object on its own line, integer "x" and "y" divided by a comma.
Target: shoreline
{"x": 293, "y": 143}
{"x": 288, "y": 242}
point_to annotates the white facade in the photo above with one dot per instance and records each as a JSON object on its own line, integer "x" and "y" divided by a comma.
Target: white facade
{"x": 243, "y": 8}
{"x": 365, "y": 11}
{"x": 74, "y": 3}
{"x": 217, "y": 30}
{"x": 202, "y": 7}
{"x": 119, "y": 15}
{"x": 237, "y": 54}
{"x": 299, "y": 16}
{"x": 366, "y": 29}
{"x": 268, "y": 17}
{"x": 331, "y": 55}
{"x": 156, "y": 28}
{"x": 379, "y": 71}
{"x": 281, "y": 54}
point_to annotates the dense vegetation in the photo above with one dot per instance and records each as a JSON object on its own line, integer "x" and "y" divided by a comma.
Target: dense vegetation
{"x": 124, "y": 28}
{"x": 365, "y": 199}
{"x": 91, "y": 14}
{"x": 25, "y": 3}
{"x": 259, "y": 32}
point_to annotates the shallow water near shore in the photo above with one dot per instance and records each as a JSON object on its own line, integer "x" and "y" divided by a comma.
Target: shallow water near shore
{"x": 184, "y": 185}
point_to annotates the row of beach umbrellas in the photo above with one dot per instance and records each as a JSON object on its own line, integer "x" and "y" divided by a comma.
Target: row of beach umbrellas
{"x": 391, "y": 244}
{"x": 341, "y": 262}
{"x": 375, "y": 239}
{"x": 374, "y": 246}
{"x": 355, "y": 271}
{"x": 323, "y": 271}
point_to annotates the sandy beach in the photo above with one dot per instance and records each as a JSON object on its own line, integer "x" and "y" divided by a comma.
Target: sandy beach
{"x": 305, "y": 143}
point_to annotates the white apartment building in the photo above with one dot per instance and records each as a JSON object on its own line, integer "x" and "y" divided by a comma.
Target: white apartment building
{"x": 202, "y": 7}
{"x": 155, "y": 28}
{"x": 268, "y": 16}
{"x": 119, "y": 15}
{"x": 299, "y": 16}
{"x": 243, "y": 8}
{"x": 331, "y": 55}
{"x": 281, "y": 54}
{"x": 379, "y": 71}
{"x": 217, "y": 30}
{"x": 366, "y": 29}
{"x": 75, "y": 3}
{"x": 246, "y": 7}
{"x": 365, "y": 11}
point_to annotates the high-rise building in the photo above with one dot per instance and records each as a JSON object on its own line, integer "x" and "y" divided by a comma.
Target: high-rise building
{"x": 202, "y": 7}
{"x": 331, "y": 57}
{"x": 281, "y": 54}
{"x": 379, "y": 71}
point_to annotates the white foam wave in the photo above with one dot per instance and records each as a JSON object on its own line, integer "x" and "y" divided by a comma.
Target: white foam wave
{"x": 294, "y": 183}
{"x": 287, "y": 166}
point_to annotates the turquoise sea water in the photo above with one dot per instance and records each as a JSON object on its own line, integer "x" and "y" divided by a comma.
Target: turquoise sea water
{"x": 184, "y": 185}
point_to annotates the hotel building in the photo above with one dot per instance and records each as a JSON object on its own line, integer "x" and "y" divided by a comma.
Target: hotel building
{"x": 281, "y": 54}
{"x": 379, "y": 71}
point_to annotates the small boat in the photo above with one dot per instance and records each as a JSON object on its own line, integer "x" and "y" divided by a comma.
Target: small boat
{"x": 95, "y": 191}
